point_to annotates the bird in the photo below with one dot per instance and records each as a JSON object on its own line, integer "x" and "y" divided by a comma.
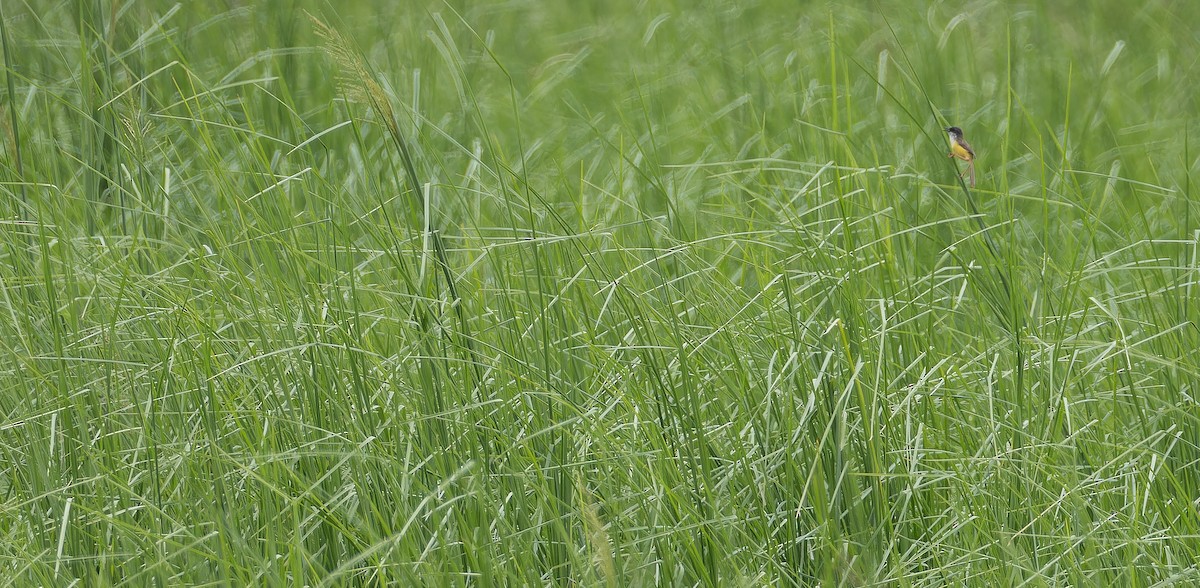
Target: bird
{"x": 960, "y": 149}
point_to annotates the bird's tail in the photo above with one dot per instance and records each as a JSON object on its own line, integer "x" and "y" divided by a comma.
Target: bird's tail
{"x": 971, "y": 170}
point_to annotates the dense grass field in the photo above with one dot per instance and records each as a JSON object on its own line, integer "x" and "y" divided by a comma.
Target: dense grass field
{"x": 465, "y": 293}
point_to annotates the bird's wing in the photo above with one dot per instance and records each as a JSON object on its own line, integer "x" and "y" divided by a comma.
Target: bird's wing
{"x": 967, "y": 146}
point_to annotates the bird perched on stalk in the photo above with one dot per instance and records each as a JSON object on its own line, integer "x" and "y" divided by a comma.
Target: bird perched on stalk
{"x": 960, "y": 149}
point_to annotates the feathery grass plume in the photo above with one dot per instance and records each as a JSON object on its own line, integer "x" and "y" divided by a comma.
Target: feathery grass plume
{"x": 597, "y": 534}
{"x": 359, "y": 85}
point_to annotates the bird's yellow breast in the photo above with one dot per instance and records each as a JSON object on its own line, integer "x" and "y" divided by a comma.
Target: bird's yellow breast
{"x": 958, "y": 151}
